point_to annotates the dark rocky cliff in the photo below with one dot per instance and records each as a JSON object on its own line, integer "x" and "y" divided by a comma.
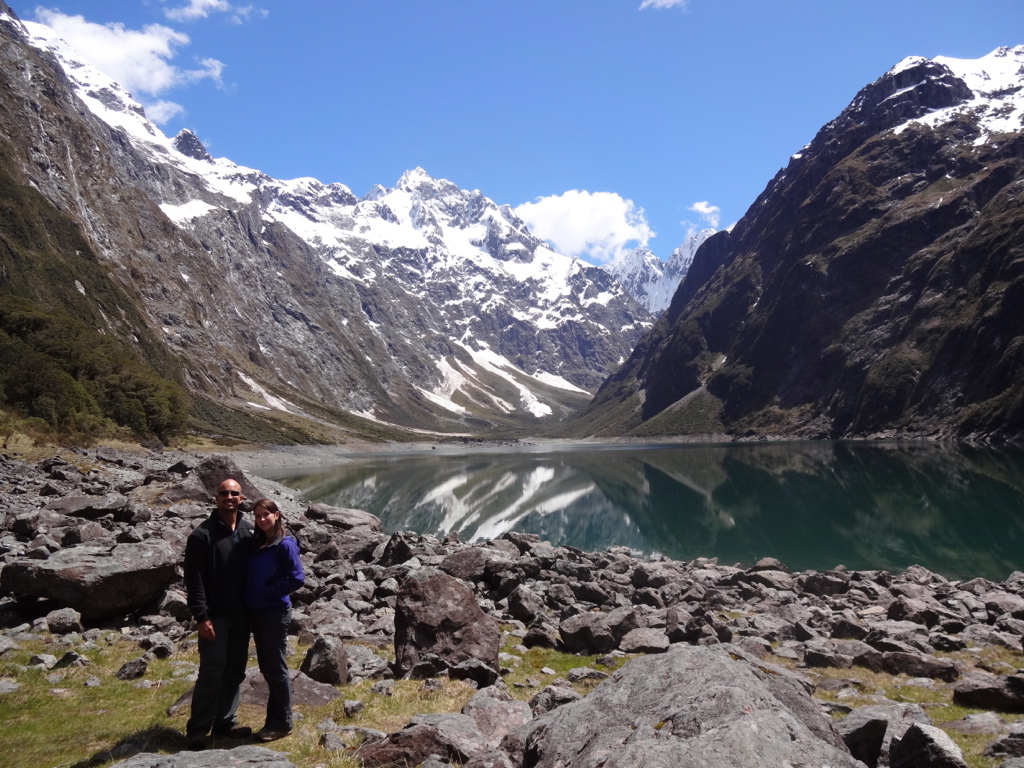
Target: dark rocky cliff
{"x": 873, "y": 289}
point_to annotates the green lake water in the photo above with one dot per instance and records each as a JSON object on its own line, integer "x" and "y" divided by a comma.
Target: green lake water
{"x": 956, "y": 510}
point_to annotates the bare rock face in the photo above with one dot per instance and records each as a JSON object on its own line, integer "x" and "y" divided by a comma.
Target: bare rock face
{"x": 692, "y": 706}
{"x": 98, "y": 582}
{"x": 438, "y": 614}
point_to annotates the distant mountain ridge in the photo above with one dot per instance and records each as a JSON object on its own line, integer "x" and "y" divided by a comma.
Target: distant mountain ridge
{"x": 872, "y": 290}
{"x": 651, "y": 281}
{"x": 422, "y": 306}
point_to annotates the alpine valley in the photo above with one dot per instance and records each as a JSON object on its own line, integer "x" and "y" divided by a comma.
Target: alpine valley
{"x": 287, "y": 308}
{"x": 873, "y": 288}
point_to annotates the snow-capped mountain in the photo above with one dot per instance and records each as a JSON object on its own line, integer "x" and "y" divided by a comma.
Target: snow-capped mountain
{"x": 422, "y": 305}
{"x": 650, "y": 280}
{"x": 872, "y": 289}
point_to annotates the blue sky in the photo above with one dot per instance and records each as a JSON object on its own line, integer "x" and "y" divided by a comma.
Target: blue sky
{"x": 613, "y": 123}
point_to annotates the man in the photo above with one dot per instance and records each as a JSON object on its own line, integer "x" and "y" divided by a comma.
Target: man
{"x": 215, "y": 571}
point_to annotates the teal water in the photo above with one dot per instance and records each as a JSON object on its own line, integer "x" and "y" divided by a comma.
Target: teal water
{"x": 958, "y": 511}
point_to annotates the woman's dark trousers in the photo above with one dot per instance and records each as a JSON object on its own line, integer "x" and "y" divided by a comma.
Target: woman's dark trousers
{"x": 270, "y": 631}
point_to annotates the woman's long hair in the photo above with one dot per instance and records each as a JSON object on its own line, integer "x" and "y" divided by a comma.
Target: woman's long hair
{"x": 271, "y": 506}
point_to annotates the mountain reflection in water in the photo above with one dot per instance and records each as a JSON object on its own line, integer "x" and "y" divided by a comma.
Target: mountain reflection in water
{"x": 955, "y": 510}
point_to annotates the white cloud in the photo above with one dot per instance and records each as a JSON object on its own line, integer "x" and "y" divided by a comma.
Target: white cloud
{"x": 597, "y": 226}
{"x": 201, "y": 9}
{"x": 711, "y": 214}
{"x": 139, "y": 60}
{"x": 162, "y": 111}
{"x": 663, "y": 4}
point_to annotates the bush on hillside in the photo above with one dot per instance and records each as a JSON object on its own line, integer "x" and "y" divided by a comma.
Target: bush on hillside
{"x": 56, "y": 368}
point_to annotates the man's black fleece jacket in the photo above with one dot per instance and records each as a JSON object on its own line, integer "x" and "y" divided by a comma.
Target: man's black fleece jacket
{"x": 215, "y": 567}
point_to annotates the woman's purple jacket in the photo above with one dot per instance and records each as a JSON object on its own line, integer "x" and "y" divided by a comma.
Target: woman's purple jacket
{"x": 274, "y": 572}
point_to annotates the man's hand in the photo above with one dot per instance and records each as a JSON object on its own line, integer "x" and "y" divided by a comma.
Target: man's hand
{"x": 206, "y": 630}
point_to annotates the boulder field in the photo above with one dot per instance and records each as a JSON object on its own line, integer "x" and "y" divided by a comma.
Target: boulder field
{"x": 726, "y": 656}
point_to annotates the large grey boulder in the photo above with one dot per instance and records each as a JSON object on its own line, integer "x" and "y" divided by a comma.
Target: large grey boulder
{"x": 343, "y": 518}
{"x": 925, "y": 746}
{"x": 587, "y": 633}
{"x": 454, "y": 736}
{"x": 694, "y": 706}
{"x": 919, "y": 665}
{"x": 496, "y": 713}
{"x": 91, "y": 507}
{"x": 98, "y": 582}
{"x": 438, "y": 614}
{"x": 525, "y": 604}
{"x": 326, "y": 661}
{"x": 986, "y": 691}
{"x": 869, "y": 731}
{"x": 215, "y": 469}
{"x": 863, "y": 733}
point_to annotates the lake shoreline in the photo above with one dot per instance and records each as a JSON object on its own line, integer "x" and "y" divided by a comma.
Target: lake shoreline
{"x": 253, "y": 457}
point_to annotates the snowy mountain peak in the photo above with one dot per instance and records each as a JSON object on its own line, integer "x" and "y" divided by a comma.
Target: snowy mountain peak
{"x": 682, "y": 257}
{"x": 424, "y": 304}
{"x": 994, "y": 95}
{"x": 652, "y": 281}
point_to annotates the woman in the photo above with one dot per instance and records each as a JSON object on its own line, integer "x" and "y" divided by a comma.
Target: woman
{"x": 274, "y": 571}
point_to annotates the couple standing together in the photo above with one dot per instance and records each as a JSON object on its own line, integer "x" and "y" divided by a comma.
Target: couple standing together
{"x": 238, "y": 577}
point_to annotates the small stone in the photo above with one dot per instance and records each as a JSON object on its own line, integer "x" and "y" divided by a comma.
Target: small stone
{"x": 332, "y": 742}
{"x": 133, "y": 669}
{"x": 327, "y": 724}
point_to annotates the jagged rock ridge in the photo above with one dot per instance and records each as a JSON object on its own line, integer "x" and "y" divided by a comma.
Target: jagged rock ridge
{"x": 651, "y": 281}
{"x": 425, "y": 305}
{"x": 873, "y": 288}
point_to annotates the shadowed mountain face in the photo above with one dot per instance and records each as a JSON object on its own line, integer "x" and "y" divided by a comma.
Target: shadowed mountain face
{"x": 873, "y": 288}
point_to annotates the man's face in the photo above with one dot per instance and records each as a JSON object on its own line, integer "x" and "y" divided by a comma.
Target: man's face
{"x": 229, "y": 496}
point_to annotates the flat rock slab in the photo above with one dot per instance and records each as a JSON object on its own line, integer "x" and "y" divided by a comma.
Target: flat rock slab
{"x": 210, "y": 758}
{"x": 305, "y": 691}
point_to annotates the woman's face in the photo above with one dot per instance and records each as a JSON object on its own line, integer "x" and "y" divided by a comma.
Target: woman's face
{"x": 265, "y": 519}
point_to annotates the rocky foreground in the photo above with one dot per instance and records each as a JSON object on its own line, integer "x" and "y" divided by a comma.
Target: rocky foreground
{"x": 100, "y": 540}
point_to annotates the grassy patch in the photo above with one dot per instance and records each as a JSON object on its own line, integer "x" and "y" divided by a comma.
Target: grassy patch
{"x": 100, "y": 725}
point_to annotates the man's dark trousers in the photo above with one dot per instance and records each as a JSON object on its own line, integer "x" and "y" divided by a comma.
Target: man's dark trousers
{"x": 221, "y": 672}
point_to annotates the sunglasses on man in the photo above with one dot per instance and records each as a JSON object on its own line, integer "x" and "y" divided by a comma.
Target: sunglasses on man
{"x": 229, "y": 493}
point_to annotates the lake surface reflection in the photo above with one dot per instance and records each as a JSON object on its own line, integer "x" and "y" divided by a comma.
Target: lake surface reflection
{"x": 958, "y": 511}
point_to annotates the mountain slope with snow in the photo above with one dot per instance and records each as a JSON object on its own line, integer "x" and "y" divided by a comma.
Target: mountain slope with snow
{"x": 423, "y": 305}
